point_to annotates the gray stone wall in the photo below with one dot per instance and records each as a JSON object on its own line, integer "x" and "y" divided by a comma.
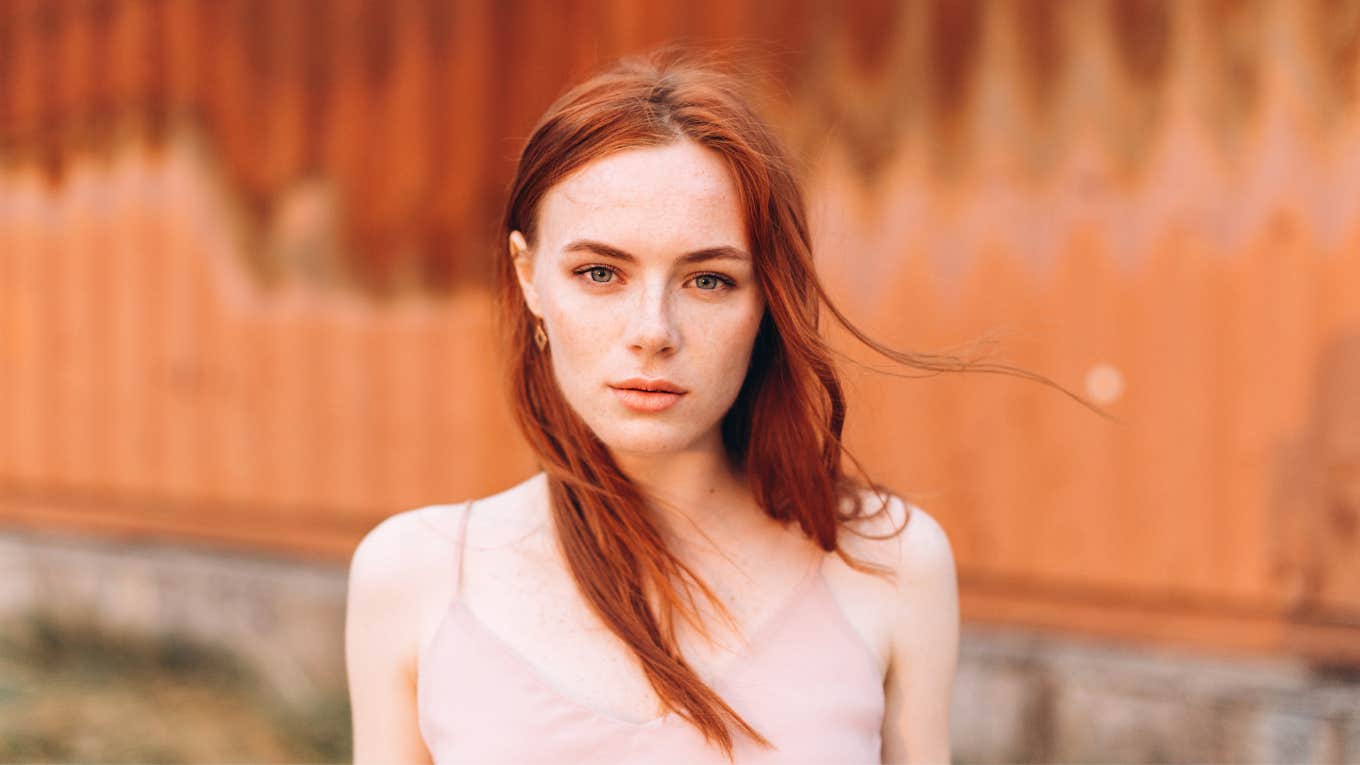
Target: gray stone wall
{"x": 1025, "y": 697}
{"x": 284, "y": 618}
{"x": 1018, "y": 696}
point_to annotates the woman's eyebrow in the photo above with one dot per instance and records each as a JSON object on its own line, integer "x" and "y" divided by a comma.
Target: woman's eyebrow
{"x": 721, "y": 252}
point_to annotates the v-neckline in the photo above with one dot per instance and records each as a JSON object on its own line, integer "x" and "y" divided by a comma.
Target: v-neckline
{"x": 734, "y": 663}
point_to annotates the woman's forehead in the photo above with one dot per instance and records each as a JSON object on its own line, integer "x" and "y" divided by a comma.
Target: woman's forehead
{"x": 666, "y": 191}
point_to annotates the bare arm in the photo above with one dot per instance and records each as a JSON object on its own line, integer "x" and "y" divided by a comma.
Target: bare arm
{"x": 925, "y": 642}
{"x": 380, "y": 649}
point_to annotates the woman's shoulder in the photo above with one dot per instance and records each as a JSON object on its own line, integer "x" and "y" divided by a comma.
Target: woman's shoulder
{"x": 403, "y": 570}
{"x": 407, "y": 542}
{"x": 391, "y": 583}
{"x": 494, "y": 520}
{"x": 398, "y": 551}
{"x": 895, "y": 532}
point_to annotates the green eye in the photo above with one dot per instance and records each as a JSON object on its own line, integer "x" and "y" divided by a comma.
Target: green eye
{"x": 706, "y": 282}
{"x": 600, "y": 274}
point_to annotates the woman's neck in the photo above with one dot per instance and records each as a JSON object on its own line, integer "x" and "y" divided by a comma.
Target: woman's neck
{"x": 699, "y": 497}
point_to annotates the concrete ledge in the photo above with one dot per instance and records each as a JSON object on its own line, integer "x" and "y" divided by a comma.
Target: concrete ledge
{"x": 283, "y": 617}
{"x": 1026, "y": 697}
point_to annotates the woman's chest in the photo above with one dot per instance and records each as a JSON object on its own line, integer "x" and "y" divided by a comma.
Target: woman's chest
{"x": 533, "y": 621}
{"x": 804, "y": 680}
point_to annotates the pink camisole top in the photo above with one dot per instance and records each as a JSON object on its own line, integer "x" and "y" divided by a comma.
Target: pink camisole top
{"x": 805, "y": 680}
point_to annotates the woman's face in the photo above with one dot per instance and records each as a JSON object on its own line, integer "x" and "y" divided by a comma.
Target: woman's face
{"x": 642, "y": 271}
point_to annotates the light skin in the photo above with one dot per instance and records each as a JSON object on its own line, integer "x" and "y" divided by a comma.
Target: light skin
{"x": 642, "y": 268}
{"x": 657, "y": 313}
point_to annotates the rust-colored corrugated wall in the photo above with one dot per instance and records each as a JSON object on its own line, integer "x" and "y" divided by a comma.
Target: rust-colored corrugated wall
{"x": 244, "y": 248}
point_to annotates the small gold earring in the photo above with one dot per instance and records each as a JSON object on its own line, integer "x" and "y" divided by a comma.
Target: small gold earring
{"x": 540, "y": 337}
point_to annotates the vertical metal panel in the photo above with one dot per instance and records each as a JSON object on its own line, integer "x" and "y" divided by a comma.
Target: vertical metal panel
{"x": 1159, "y": 197}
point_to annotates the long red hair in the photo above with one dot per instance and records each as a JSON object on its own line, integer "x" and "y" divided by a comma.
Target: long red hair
{"x": 784, "y": 428}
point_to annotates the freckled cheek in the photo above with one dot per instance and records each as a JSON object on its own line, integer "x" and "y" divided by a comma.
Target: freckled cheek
{"x": 581, "y": 336}
{"x": 720, "y": 342}
{"x": 572, "y": 313}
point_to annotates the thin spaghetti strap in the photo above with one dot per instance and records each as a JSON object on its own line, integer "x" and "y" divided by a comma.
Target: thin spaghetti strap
{"x": 462, "y": 546}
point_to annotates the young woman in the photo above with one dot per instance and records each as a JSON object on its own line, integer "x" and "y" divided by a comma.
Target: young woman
{"x": 665, "y": 590}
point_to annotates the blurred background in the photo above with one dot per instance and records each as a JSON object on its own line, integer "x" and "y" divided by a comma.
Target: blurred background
{"x": 245, "y": 253}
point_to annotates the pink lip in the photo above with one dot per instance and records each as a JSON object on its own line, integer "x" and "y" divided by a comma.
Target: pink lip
{"x": 646, "y": 401}
{"x": 649, "y": 384}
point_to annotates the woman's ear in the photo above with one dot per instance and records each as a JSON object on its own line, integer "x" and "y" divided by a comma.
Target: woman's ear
{"x": 524, "y": 270}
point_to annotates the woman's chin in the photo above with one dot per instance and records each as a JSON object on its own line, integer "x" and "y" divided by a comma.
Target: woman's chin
{"x": 651, "y": 440}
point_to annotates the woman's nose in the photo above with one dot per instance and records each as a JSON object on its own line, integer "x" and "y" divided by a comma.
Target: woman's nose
{"x": 651, "y": 328}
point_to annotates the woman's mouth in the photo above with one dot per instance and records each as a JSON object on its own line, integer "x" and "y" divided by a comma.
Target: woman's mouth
{"x": 646, "y": 400}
